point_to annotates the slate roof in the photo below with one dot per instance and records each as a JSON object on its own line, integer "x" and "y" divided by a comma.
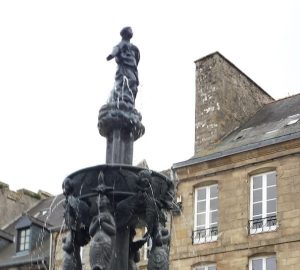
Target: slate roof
{"x": 48, "y": 215}
{"x": 6, "y": 236}
{"x": 274, "y": 123}
{"x": 50, "y": 211}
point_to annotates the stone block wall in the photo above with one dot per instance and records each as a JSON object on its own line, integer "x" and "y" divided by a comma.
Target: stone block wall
{"x": 14, "y": 203}
{"x": 234, "y": 245}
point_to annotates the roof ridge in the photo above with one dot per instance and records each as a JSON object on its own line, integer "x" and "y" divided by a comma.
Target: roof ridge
{"x": 280, "y": 99}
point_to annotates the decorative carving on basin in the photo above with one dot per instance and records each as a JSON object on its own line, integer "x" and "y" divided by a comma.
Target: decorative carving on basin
{"x": 104, "y": 199}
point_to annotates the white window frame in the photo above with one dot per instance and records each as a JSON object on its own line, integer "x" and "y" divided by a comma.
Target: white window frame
{"x": 204, "y": 266}
{"x": 264, "y": 258}
{"x": 207, "y": 237}
{"x": 264, "y": 227}
{"x": 24, "y": 241}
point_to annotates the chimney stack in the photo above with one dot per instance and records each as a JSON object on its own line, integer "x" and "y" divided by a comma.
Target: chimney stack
{"x": 225, "y": 98}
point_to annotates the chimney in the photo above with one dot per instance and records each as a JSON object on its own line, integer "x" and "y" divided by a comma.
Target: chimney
{"x": 225, "y": 99}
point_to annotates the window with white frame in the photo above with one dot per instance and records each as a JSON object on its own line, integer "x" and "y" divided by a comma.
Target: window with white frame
{"x": 206, "y": 267}
{"x": 206, "y": 214}
{"x": 24, "y": 239}
{"x": 263, "y": 263}
{"x": 263, "y": 208}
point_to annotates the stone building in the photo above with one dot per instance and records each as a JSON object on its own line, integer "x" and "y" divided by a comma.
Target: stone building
{"x": 30, "y": 239}
{"x": 240, "y": 192}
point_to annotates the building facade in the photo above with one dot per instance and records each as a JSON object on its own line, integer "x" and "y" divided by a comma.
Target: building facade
{"x": 30, "y": 239}
{"x": 240, "y": 192}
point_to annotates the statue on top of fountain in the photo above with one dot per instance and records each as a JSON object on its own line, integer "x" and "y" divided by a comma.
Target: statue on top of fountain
{"x": 127, "y": 57}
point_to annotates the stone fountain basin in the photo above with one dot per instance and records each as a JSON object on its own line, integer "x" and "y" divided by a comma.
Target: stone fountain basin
{"x": 122, "y": 181}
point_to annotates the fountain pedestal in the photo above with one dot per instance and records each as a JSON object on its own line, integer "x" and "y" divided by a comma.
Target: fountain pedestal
{"x": 121, "y": 124}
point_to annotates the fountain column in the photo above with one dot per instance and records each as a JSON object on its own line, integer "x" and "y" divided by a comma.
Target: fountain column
{"x": 120, "y": 123}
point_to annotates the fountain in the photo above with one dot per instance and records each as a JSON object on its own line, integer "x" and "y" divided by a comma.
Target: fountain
{"x": 105, "y": 204}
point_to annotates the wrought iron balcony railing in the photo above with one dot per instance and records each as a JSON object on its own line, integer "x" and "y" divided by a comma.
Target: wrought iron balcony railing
{"x": 266, "y": 224}
{"x": 205, "y": 235}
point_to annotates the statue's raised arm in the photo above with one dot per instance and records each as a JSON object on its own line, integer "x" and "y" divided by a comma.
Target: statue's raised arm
{"x": 127, "y": 57}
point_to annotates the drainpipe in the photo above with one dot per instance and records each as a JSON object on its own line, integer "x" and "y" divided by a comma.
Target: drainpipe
{"x": 50, "y": 255}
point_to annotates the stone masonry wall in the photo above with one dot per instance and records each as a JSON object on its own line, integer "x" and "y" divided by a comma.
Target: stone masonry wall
{"x": 13, "y": 204}
{"x": 234, "y": 245}
{"x": 225, "y": 98}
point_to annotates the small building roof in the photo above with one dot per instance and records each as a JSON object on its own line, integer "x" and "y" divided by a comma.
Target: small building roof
{"x": 6, "y": 236}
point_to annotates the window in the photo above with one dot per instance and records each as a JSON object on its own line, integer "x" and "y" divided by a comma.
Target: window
{"x": 263, "y": 263}
{"x": 23, "y": 239}
{"x": 292, "y": 122}
{"x": 293, "y": 119}
{"x": 206, "y": 214}
{"x": 263, "y": 203}
{"x": 206, "y": 267}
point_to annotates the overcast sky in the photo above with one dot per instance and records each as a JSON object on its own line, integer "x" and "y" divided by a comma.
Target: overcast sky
{"x": 54, "y": 76}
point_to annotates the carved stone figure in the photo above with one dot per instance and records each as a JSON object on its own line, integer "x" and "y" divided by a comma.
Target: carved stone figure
{"x": 143, "y": 199}
{"x": 77, "y": 215}
{"x": 127, "y": 57}
{"x": 102, "y": 231}
{"x": 158, "y": 258}
{"x": 134, "y": 247}
{"x": 71, "y": 260}
{"x": 77, "y": 219}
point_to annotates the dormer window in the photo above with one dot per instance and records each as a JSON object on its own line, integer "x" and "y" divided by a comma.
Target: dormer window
{"x": 23, "y": 239}
{"x": 41, "y": 213}
{"x": 292, "y": 121}
{"x": 28, "y": 231}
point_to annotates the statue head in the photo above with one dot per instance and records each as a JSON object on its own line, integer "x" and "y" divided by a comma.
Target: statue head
{"x": 144, "y": 178}
{"x": 126, "y": 33}
{"x": 67, "y": 187}
{"x": 104, "y": 203}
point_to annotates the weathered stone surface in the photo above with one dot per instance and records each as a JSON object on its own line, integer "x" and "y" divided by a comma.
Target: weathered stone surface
{"x": 225, "y": 98}
{"x": 235, "y": 246}
{"x": 14, "y": 203}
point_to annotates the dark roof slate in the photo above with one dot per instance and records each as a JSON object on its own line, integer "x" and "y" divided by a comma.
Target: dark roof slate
{"x": 270, "y": 125}
{"x": 6, "y": 236}
{"x": 50, "y": 211}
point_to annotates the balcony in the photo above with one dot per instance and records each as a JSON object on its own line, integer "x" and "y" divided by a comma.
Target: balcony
{"x": 205, "y": 235}
{"x": 259, "y": 225}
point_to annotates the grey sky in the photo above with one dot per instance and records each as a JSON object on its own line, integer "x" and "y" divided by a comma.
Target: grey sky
{"x": 54, "y": 76}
